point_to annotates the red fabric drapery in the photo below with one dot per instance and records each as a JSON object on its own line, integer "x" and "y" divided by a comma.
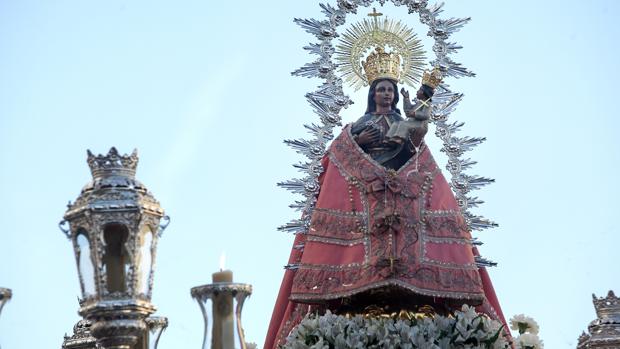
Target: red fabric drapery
{"x": 372, "y": 228}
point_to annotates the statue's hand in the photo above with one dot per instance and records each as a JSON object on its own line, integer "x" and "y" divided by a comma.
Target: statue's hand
{"x": 368, "y": 135}
{"x": 407, "y": 106}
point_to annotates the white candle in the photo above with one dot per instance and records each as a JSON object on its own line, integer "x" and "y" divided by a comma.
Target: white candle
{"x": 223, "y": 320}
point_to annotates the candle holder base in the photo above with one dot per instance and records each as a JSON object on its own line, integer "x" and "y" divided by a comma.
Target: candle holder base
{"x": 226, "y": 328}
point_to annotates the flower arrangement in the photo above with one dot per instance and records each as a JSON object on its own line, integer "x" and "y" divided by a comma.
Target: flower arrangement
{"x": 528, "y": 332}
{"x": 464, "y": 329}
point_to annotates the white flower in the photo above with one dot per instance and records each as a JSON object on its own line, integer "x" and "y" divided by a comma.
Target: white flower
{"x": 251, "y": 345}
{"x": 320, "y": 345}
{"x": 523, "y": 324}
{"x": 443, "y": 323}
{"x": 529, "y": 341}
{"x": 429, "y": 332}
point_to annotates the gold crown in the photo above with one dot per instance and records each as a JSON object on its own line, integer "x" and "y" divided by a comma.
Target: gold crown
{"x": 382, "y": 65}
{"x": 432, "y": 79}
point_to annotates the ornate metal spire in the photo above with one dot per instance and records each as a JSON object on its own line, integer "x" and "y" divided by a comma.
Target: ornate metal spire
{"x": 604, "y": 332}
{"x": 114, "y": 226}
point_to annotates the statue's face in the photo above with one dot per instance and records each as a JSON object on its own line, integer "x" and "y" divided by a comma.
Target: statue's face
{"x": 384, "y": 94}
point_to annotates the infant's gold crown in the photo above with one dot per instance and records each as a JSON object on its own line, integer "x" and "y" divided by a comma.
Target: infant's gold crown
{"x": 432, "y": 79}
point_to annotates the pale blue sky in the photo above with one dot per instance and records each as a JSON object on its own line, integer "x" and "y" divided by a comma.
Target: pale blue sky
{"x": 204, "y": 91}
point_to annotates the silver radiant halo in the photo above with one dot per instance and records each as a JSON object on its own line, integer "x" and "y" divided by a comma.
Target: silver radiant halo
{"x": 330, "y": 99}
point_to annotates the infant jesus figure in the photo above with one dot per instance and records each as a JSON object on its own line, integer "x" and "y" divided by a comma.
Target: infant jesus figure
{"x": 415, "y": 126}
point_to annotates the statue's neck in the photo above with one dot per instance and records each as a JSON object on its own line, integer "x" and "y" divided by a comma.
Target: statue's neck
{"x": 383, "y": 110}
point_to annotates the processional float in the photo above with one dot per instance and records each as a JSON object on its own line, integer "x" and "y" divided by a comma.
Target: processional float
{"x": 115, "y": 223}
{"x": 397, "y": 206}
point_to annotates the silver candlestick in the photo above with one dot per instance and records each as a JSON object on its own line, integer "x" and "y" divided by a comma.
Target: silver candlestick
{"x": 226, "y": 328}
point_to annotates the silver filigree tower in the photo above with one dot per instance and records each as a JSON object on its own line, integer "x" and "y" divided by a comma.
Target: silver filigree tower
{"x": 114, "y": 226}
{"x": 604, "y": 332}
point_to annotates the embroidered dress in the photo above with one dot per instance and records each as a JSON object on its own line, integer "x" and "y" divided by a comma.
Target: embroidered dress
{"x": 381, "y": 229}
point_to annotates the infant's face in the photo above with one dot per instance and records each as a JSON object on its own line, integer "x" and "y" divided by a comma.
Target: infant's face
{"x": 420, "y": 94}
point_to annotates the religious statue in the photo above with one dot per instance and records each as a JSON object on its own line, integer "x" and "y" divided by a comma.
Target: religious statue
{"x": 382, "y": 132}
{"x": 386, "y": 230}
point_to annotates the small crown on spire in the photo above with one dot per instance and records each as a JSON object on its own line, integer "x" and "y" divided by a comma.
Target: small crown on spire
{"x": 607, "y": 307}
{"x": 382, "y": 65}
{"x": 112, "y": 164}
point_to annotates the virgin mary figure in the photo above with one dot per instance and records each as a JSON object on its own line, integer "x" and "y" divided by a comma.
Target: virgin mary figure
{"x": 386, "y": 230}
